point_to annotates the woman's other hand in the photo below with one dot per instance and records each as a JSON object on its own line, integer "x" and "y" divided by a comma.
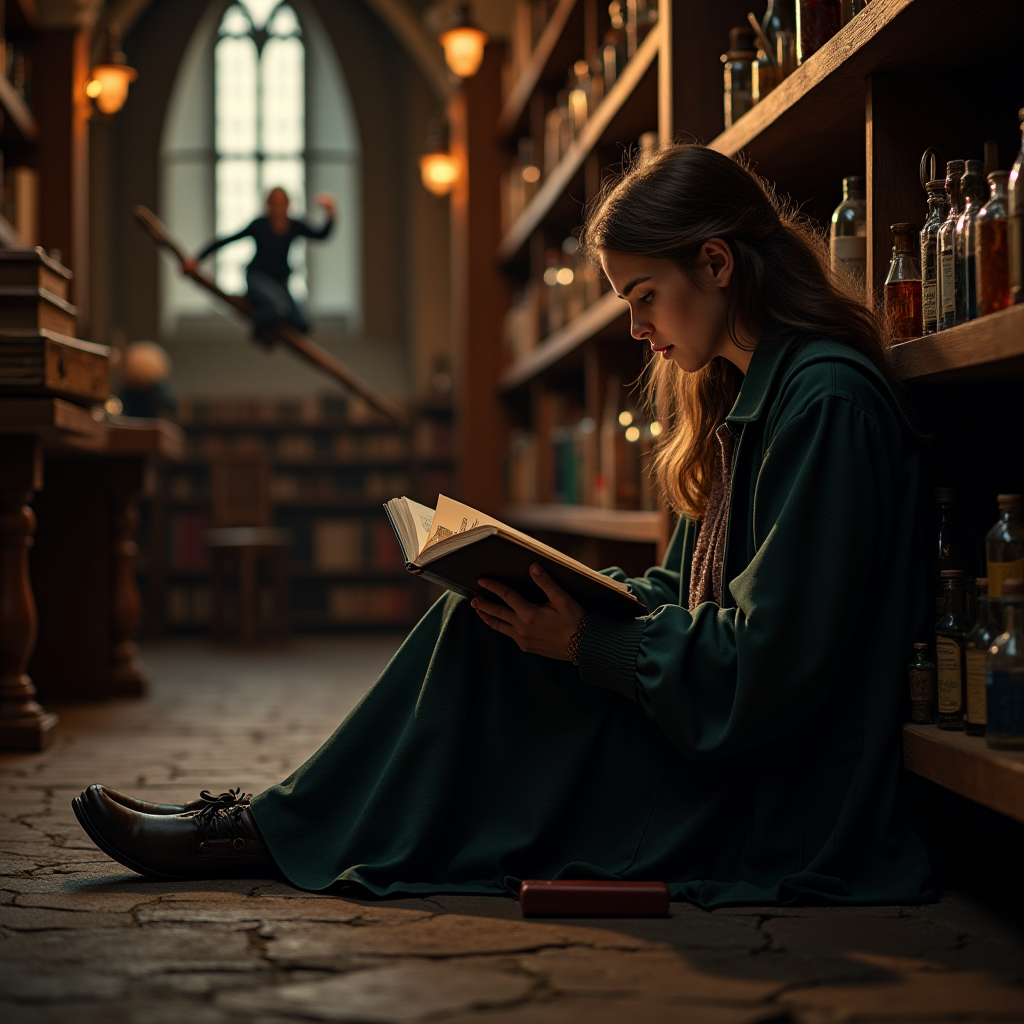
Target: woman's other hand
{"x": 329, "y": 204}
{"x": 544, "y": 629}
{"x": 189, "y": 264}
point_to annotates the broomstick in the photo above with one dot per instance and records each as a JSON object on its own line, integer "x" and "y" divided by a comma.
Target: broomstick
{"x": 296, "y": 340}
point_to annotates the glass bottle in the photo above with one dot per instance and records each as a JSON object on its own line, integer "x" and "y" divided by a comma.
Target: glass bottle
{"x": 991, "y": 264}
{"x": 1004, "y": 545}
{"x": 975, "y": 192}
{"x": 946, "y": 247}
{"x": 938, "y": 211}
{"x": 1004, "y": 674}
{"x": 903, "y": 286}
{"x": 738, "y": 66}
{"x": 978, "y": 641}
{"x": 817, "y": 21}
{"x": 613, "y": 48}
{"x": 779, "y": 25}
{"x": 848, "y": 236}
{"x": 1015, "y": 218}
{"x": 950, "y": 648}
{"x": 922, "y": 687}
{"x": 958, "y": 546}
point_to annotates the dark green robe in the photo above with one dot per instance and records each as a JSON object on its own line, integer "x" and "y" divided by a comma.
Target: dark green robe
{"x": 743, "y": 754}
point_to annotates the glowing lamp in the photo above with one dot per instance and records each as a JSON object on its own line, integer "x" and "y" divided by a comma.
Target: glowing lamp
{"x": 109, "y": 79}
{"x": 463, "y": 43}
{"x": 438, "y": 172}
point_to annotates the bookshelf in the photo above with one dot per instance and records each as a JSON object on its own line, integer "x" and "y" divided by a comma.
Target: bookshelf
{"x": 902, "y": 75}
{"x": 332, "y": 466}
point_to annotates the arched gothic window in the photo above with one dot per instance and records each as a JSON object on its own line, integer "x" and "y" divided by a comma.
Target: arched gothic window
{"x": 260, "y": 100}
{"x": 259, "y": 126}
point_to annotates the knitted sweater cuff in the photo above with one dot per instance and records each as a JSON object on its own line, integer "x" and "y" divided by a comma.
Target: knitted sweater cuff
{"x": 608, "y": 654}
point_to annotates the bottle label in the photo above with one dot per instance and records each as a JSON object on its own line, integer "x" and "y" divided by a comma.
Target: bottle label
{"x": 950, "y": 681}
{"x": 850, "y": 249}
{"x": 998, "y": 572}
{"x": 922, "y": 685}
{"x": 929, "y": 312}
{"x": 976, "y": 687}
{"x": 947, "y": 282}
{"x": 1006, "y": 703}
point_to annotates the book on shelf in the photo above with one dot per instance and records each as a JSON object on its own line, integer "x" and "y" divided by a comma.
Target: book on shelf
{"x": 359, "y": 603}
{"x": 338, "y": 545}
{"x": 454, "y": 545}
{"x": 385, "y": 555}
{"x": 189, "y": 552}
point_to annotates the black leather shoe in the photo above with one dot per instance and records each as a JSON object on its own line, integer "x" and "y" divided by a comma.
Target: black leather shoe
{"x": 213, "y": 842}
{"x": 205, "y": 799}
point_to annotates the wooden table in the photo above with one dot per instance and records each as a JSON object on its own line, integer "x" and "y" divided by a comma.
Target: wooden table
{"x": 68, "y": 486}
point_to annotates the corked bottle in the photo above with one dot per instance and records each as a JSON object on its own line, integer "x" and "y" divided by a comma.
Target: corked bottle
{"x": 978, "y": 641}
{"x": 950, "y": 649}
{"x": 903, "y": 286}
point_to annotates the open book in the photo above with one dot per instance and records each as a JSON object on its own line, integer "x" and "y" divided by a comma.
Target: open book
{"x": 454, "y": 545}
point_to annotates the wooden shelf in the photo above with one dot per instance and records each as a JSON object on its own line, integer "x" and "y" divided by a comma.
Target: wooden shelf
{"x": 558, "y": 181}
{"x": 587, "y": 521}
{"x": 828, "y": 90}
{"x": 556, "y": 49}
{"x": 990, "y": 347}
{"x": 18, "y": 112}
{"x": 967, "y": 765}
{"x": 591, "y": 323}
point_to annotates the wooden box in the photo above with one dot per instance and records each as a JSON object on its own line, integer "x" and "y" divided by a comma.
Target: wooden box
{"x": 33, "y": 268}
{"x": 26, "y": 306}
{"x": 43, "y": 362}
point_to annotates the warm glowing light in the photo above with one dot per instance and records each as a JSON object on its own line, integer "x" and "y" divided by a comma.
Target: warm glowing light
{"x": 633, "y": 434}
{"x": 625, "y": 417}
{"x": 656, "y": 429}
{"x": 565, "y": 275}
{"x": 531, "y": 174}
{"x": 464, "y": 50}
{"x": 93, "y": 88}
{"x": 438, "y": 171}
{"x": 551, "y": 276}
{"x": 110, "y": 82}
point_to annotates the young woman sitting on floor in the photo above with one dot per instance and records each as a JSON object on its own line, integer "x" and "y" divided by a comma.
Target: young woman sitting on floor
{"x": 741, "y": 741}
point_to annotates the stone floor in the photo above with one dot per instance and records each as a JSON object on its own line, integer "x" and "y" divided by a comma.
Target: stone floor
{"x": 84, "y": 940}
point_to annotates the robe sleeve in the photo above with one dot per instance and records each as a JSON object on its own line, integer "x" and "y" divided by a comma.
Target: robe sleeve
{"x": 219, "y": 243}
{"x": 661, "y": 585}
{"x": 303, "y": 227}
{"x": 722, "y": 681}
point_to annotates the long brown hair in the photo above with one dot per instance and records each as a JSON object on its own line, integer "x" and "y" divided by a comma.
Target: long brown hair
{"x": 665, "y": 205}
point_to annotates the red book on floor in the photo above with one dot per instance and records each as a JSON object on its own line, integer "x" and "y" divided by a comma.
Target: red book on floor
{"x": 588, "y": 898}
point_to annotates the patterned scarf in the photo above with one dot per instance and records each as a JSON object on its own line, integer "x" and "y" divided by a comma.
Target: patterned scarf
{"x": 709, "y": 554}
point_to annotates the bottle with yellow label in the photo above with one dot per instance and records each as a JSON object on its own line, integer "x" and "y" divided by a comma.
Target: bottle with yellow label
{"x": 950, "y": 648}
{"x": 977, "y": 643}
{"x": 1004, "y": 545}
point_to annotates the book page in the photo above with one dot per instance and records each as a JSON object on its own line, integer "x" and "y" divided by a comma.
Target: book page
{"x": 422, "y": 518}
{"x": 451, "y": 517}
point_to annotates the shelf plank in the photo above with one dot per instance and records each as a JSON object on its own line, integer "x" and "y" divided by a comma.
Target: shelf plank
{"x": 991, "y": 345}
{"x": 967, "y": 765}
{"x": 608, "y": 310}
{"x": 18, "y": 111}
{"x": 541, "y": 64}
{"x": 828, "y": 90}
{"x": 561, "y": 177}
{"x": 588, "y": 521}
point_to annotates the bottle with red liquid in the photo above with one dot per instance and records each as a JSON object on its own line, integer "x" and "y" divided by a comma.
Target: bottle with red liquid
{"x": 903, "y": 286}
{"x": 992, "y": 248}
{"x": 817, "y": 21}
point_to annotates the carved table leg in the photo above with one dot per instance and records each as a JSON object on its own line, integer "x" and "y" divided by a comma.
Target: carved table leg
{"x": 128, "y": 678}
{"x": 24, "y": 724}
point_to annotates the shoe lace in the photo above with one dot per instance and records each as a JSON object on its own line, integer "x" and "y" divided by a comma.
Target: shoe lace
{"x": 219, "y": 823}
{"x": 226, "y": 799}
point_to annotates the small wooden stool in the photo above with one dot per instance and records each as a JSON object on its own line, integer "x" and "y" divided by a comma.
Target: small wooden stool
{"x": 240, "y": 486}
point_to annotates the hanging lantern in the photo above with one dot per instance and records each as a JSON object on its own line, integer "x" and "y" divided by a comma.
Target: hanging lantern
{"x": 109, "y": 79}
{"x": 463, "y": 43}
{"x": 439, "y": 170}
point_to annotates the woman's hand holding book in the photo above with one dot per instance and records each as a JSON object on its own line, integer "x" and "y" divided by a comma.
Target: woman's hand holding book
{"x": 544, "y": 629}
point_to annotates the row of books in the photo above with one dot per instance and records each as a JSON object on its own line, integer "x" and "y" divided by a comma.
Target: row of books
{"x": 329, "y": 544}
{"x": 295, "y": 488}
{"x": 357, "y": 604}
{"x": 432, "y": 439}
{"x": 311, "y": 410}
{"x": 571, "y": 459}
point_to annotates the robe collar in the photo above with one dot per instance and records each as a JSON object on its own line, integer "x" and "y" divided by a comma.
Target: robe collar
{"x": 764, "y": 366}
